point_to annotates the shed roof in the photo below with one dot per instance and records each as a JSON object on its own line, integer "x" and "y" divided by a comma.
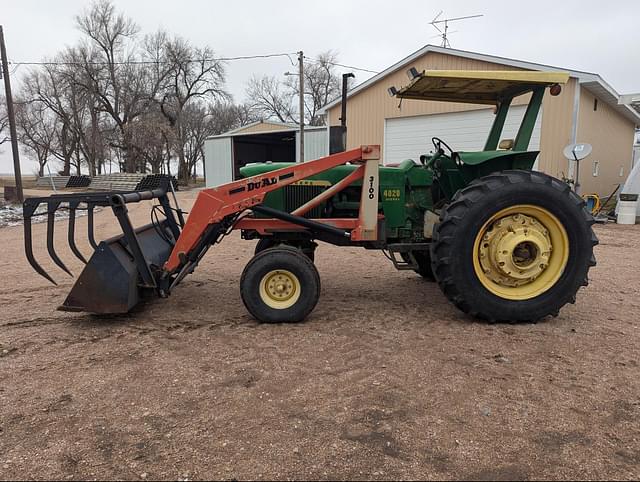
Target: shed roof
{"x": 591, "y": 81}
{"x": 278, "y": 127}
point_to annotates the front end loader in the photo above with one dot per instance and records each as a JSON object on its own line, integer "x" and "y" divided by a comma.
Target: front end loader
{"x": 503, "y": 242}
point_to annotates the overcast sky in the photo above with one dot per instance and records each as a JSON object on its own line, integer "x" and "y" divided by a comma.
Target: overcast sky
{"x": 595, "y": 36}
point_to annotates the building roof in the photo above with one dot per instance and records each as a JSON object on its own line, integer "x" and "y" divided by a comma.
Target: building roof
{"x": 592, "y": 82}
{"x": 632, "y": 100}
{"x": 278, "y": 127}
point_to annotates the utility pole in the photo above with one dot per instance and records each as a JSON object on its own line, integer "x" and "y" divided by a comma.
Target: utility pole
{"x": 12, "y": 118}
{"x": 301, "y": 74}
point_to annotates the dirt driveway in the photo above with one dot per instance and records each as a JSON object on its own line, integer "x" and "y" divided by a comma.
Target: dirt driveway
{"x": 386, "y": 380}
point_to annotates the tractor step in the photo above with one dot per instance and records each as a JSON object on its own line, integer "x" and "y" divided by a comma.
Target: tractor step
{"x": 407, "y": 261}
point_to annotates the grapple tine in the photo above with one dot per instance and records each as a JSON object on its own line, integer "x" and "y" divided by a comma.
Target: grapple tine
{"x": 92, "y": 239}
{"x": 51, "y": 217}
{"x": 28, "y": 249}
{"x": 71, "y": 233}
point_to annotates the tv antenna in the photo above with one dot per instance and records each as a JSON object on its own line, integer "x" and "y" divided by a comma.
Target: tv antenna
{"x": 445, "y": 31}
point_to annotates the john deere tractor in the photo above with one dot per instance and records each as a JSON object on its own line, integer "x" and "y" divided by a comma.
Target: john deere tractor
{"x": 503, "y": 242}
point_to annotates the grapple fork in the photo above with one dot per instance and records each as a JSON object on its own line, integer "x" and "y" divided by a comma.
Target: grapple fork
{"x": 120, "y": 269}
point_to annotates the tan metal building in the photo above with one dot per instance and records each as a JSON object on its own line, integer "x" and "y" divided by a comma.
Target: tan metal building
{"x": 587, "y": 110}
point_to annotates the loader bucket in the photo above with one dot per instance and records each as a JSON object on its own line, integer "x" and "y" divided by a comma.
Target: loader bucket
{"x": 110, "y": 283}
{"x": 122, "y": 270}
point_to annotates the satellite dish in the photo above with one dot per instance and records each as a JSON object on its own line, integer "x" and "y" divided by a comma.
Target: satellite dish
{"x": 577, "y": 152}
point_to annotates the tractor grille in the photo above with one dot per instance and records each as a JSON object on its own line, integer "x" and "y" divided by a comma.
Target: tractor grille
{"x": 296, "y": 195}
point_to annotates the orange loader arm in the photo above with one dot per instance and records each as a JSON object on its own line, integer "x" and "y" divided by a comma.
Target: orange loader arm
{"x": 213, "y": 205}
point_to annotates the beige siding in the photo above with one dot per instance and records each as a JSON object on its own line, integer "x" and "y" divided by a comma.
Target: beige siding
{"x": 611, "y": 136}
{"x": 557, "y": 122}
{"x": 264, "y": 127}
{"x": 367, "y": 110}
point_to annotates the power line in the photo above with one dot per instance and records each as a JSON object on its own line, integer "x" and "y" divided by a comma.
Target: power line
{"x": 155, "y": 62}
{"x": 18, "y": 64}
{"x": 342, "y": 65}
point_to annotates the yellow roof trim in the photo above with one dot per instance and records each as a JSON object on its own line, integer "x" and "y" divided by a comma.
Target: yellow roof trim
{"x": 477, "y": 86}
{"x": 527, "y": 76}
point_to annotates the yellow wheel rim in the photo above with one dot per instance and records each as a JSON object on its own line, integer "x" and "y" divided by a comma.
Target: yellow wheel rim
{"x": 280, "y": 289}
{"x": 520, "y": 252}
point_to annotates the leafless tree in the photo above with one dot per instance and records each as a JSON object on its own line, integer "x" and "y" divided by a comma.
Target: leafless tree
{"x": 36, "y": 126}
{"x": 271, "y": 99}
{"x": 195, "y": 75}
{"x": 225, "y": 116}
{"x": 149, "y": 133}
{"x": 89, "y": 123}
{"x": 142, "y": 101}
{"x": 4, "y": 122}
{"x": 123, "y": 85}
{"x": 197, "y": 125}
{"x": 243, "y": 114}
{"x": 46, "y": 88}
{"x": 274, "y": 99}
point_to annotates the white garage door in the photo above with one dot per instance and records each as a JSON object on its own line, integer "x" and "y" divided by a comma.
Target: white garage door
{"x": 410, "y": 137}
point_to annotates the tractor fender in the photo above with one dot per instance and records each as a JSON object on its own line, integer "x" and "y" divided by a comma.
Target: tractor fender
{"x": 473, "y": 165}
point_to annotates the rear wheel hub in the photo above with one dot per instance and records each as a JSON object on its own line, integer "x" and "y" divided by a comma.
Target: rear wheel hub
{"x": 520, "y": 252}
{"x": 515, "y": 250}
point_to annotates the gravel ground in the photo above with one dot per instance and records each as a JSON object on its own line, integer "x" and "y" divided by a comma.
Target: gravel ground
{"x": 385, "y": 380}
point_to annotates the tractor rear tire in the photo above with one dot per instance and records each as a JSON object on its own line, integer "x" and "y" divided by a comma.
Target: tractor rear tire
{"x": 280, "y": 285}
{"x": 423, "y": 258}
{"x": 514, "y": 246}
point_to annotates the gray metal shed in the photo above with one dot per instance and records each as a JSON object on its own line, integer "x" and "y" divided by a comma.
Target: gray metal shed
{"x": 226, "y": 153}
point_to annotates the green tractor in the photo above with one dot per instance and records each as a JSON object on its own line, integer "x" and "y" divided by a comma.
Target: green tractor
{"x": 503, "y": 242}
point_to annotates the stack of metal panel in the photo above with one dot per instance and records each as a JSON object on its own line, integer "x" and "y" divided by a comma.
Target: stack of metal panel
{"x": 59, "y": 182}
{"x": 121, "y": 181}
{"x": 155, "y": 181}
{"x": 79, "y": 181}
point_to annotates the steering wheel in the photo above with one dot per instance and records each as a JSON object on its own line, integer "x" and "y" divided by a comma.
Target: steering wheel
{"x": 439, "y": 143}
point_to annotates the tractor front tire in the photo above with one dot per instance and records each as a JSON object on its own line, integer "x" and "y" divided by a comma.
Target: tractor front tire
{"x": 513, "y": 246}
{"x": 280, "y": 285}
